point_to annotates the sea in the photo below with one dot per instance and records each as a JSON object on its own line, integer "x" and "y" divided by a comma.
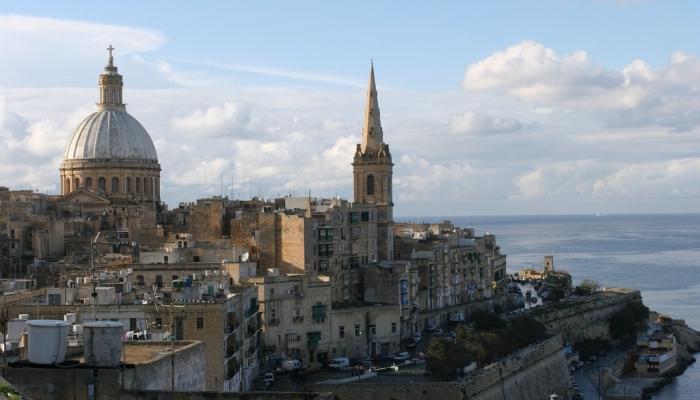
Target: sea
{"x": 657, "y": 254}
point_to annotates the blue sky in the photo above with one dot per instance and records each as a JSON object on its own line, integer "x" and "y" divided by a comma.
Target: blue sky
{"x": 507, "y": 108}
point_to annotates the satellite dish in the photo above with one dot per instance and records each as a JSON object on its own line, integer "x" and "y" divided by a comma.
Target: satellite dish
{"x": 245, "y": 256}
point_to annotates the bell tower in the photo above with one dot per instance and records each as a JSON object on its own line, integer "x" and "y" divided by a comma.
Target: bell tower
{"x": 372, "y": 172}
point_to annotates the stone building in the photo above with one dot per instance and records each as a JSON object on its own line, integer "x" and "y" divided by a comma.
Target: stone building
{"x": 110, "y": 152}
{"x": 454, "y": 268}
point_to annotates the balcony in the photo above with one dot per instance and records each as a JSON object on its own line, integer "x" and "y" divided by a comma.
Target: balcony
{"x": 273, "y": 321}
{"x": 232, "y": 345}
{"x": 298, "y": 319}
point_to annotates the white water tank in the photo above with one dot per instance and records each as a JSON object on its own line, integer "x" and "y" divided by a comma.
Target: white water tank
{"x": 47, "y": 341}
{"x": 102, "y": 343}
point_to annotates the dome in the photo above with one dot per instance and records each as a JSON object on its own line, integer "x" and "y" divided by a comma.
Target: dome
{"x": 110, "y": 133}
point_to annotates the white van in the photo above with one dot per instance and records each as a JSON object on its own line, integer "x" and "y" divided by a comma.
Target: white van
{"x": 339, "y": 363}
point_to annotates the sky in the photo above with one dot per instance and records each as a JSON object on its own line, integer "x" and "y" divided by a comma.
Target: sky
{"x": 547, "y": 107}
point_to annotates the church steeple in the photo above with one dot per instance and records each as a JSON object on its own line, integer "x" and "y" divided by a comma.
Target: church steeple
{"x": 110, "y": 85}
{"x": 372, "y": 135}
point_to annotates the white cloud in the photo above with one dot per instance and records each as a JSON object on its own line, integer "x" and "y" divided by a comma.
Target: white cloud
{"x": 531, "y": 71}
{"x": 665, "y": 179}
{"x": 216, "y": 121}
{"x": 636, "y": 95}
{"x": 475, "y": 123}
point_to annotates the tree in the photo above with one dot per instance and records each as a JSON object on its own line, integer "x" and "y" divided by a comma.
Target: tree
{"x": 483, "y": 320}
{"x": 627, "y": 321}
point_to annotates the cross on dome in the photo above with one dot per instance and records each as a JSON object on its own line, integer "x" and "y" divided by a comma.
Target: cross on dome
{"x": 111, "y": 59}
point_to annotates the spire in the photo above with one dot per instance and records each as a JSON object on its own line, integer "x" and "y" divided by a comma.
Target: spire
{"x": 110, "y": 85}
{"x": 372, "y": 135}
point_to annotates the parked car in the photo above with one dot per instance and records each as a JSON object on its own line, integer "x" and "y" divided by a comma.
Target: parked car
{"x": 430, "y": 327}
{"x": 417, "y": 337}
{"x": 339, "y": 363}
{"x": 291, "y": 365}
{"x": 402, "y": 356}
{"x": 312, "y": 368}
{"x": 438, "y": 332}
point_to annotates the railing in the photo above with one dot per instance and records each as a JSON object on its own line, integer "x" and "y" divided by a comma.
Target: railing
{"x": 273, "y": 321}
{"x": 298, "y": 319}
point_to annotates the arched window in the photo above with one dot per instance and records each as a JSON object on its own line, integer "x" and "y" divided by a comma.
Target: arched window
{"x": 76, "y": 184}
{"x": 88, "y": 183}
{"x": 370, "y": 185}
{"x": 128, "y": 185}
{"x": 67, "y": 188}
{"x": 115, "y": 185}
{"x": 102, "y": 184}
{"x": 138, "y": 184}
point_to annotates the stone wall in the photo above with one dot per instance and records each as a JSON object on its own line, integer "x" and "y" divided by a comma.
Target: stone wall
{"x": 190, "y": 371}
{"x": 532, "y": 373}
{"x": 588, "y": 318}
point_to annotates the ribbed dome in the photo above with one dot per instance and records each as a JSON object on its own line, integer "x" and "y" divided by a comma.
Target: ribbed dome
{"x": 110, "y": 133}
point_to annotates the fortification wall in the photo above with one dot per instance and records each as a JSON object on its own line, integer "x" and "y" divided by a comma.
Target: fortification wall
{"x": 532, "y": 373}
{"x": 588, "y": 318}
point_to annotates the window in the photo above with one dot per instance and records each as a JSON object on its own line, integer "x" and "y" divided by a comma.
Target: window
{"x": 370, "y": 185}
{"x": 341, "y": 331}
{"x": 365, "y": 216}
{"x": 128, "y": 185}
{"x": 175, "y": 277}
{"x": 88, "y": 183}
{"x": 200, "y": 323}
{"x": 165, "y": 259}
{"x": 115, "y": 185}
{"x": 393, "y": 327}
{"x": 196, "y": 258}
{"x": 372, "y": 330}
{"x": 322, "y": 266}
{"x": 67, "y": 185}
{"x": 318, "y": 313}
{"x": 292, "y": 338}
{"x": 138, "y": 185}
{"x": 325, "y": 250}
{"x": 272, "y": 291}
{"x": 132, "y": 324}
{"x": 77, "y": 183}
{"x": 12, "y": 233}
{"x": 325, "y": 234}
{"x": 102, "y": 184}
{"x": 354, "y": 217}
{"x": 159, "y": 281}
{"x": 357, "y": 330}
{"x": 159, "y": 323}
{"x": 139, "y": 280}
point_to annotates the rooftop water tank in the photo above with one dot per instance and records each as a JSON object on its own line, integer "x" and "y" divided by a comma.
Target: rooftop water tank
{"x": 102, "y": 343}
{"x": 47, "y": 341}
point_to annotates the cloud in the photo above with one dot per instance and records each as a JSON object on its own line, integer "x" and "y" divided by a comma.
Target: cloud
{"x": 559, "y": 179}
{"x": 216, "y": 121}
{"x": 665, "y": 179}
{"x": 473, "y": 123}
{"x": 530, "y": 70}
